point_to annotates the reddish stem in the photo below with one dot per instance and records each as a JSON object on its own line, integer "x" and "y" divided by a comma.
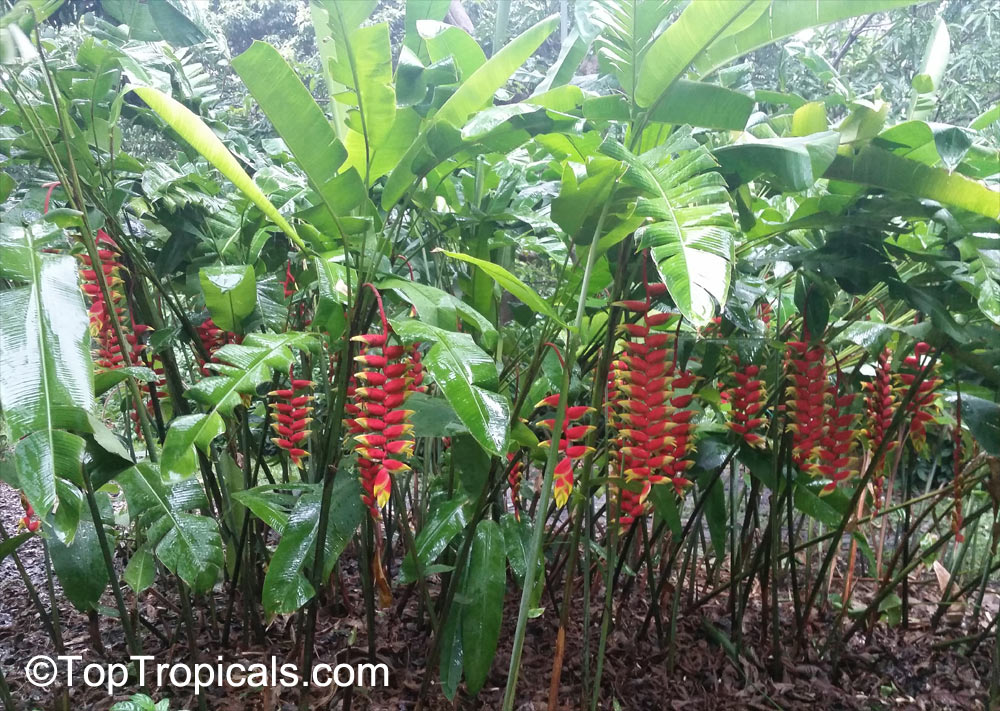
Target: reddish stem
{"x": 48, "y": 195}
{"x": 381, "y": 308}
{"x": 558, "y": 353}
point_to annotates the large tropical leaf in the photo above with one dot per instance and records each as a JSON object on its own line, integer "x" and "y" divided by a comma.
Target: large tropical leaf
{"x": 484, "y": 590}
{"x": 230, "y": 294}
{"x": 629, "y": 27}
{"x": 690, "y": 232}
{"x": 361, "y": 63}
{"x": 468, "y": 378}
{"x": 286, "y": 587}
{"x": 296, "y": 117}
{"x": 243, "y": 367}
{"x": 792, "y": 163}
{"x": 474, "y": 93}
{"x": 878, "y": 168}
{"x": 510, "y": 283}
{"x": 776, "y": 19}
{"x": 192, "y": 129}
{"x": 188, "y": 544}
{"x": 671, "y": 53}
{"x": 46, "y": 373}
{"x": 80, "y": 567}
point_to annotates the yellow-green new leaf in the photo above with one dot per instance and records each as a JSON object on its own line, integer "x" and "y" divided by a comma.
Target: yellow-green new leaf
{"x": 192, "y": 129}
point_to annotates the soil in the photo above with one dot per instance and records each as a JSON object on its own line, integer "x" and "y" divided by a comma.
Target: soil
{"x": 893, "y": 668}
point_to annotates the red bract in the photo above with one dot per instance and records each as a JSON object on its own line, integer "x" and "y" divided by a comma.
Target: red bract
{"x": 921, "y": 407}
{"x": 514, "y": 476}
{"x": 570, "y": 445}
{"x": 109, "y": 355}
{"x": 880, "y": 406}
{"x": 377, "y": 420}
{"x": 291, "y": 415}
{"x": 835, "y": 453}
{"x": 806, "y": 403}
{"x": 212, "y": 339}
{"x": 28, "y": 521}
{"x": 653, "y": 410}
{"x": 747, "y": 400}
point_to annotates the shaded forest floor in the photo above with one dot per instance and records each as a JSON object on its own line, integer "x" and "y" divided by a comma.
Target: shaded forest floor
{"x": 893, "y": 669}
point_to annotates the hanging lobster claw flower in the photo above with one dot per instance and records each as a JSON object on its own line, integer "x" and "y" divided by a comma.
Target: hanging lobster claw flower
{"x": 290, "y": 414}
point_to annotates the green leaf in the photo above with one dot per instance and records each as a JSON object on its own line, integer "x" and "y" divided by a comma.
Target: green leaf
{"x": 43, "y": 456}
{"x": 169, "y": 21}
{"x": 932, "y": 69}
{"x": 439, "y": 308}
{"x": 879, "y": 168}
{"x": 507, "y": 281}
{"x": 179, "y": 459}
{"x": 286, "y": 587}
{"x": 468, "y": 378}
{"x": 444, "y": 40}
{"x": 690, "y": 234}
{"x": 809, "y": 119}
{"x": 450, "y": 661}
{"x": 246, "y": 366}
{"x": 296, "y": 117}
{"x": 982, "y": 417}
{"x": 781, "y": 18}
{"x": 188, "y": 545}
{"x": 472, "y": 95}
{"x": 140, "y": 572}
{"x": 7, "y": 186}
{"x": 446, "y": 521}
{"x": 517, "y": 540}
{"x": 107, "y": 379}
{"x": 45, "y": 363}
{"x": 433, "y": 417}
{"x": 579, "y": 199}
{"x": 267, "y": 504}
{"x": 681, "y": 43}
{"x": 483, "y": 614}
{"x": 986, "y": 118}
{"x": 80, "y": 567}
{"x": 793, "y": 163}
{"x": 12, "y": 544}
{"x": 230, "y": 294}
{"x": 417, "y": 10}
{"x": 192, "y": 129}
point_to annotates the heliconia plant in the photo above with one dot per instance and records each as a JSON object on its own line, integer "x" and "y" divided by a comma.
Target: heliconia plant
{"x": 379, "y": 424}
{"x": 747, "y": 401}
{"x": 292, "y": 407}
{"x": 921, "y": 407}
{"x": 880, "y": 407}
{"x": 570, "y": 445}
{"x": 806, "y": 403}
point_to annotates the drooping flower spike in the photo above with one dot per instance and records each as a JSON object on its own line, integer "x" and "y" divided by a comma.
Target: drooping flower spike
{"x": 212, "y": 339}
{"x": 747, "y": 399}
{"x": 29, "y": 521}
{"x": 515, "y": 473}
{"x": 378, "y": 422}
{"x": 880, "y": 406}
{"x": 806, "y": 403}
{"x": 291, "y": 414}
{"x": 571, "y": 447}
{"x": 921, "y": 409}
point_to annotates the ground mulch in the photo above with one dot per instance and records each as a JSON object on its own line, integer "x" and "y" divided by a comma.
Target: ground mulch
{"x": 891, "y": 669}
